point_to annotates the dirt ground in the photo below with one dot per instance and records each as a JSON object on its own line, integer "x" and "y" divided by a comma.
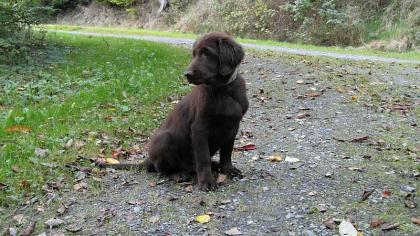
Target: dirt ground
{"x": 326, "y": 133}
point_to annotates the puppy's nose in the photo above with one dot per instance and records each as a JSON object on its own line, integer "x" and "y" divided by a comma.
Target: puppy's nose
{"x": 188, "y": 74}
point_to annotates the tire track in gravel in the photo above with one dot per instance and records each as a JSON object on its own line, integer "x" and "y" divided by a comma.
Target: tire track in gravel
{"x": 249, "y": 45}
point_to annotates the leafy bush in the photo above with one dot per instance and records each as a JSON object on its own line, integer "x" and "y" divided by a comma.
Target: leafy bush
{"x": 120, "y": 3}
{"x": 16, "y": 21}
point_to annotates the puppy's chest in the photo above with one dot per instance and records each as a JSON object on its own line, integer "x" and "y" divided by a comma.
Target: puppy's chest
{"x": 226, "y": 108}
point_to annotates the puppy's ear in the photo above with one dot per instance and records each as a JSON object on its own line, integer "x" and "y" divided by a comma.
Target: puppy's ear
{"x": 230, "y": 56}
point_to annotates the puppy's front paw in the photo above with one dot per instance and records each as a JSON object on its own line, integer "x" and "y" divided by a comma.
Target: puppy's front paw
{"x": 207, "y": 184}
{"x": 231, "y": 171}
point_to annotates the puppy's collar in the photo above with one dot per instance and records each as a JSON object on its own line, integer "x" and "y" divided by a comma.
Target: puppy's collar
{"x": 233, "y": 76}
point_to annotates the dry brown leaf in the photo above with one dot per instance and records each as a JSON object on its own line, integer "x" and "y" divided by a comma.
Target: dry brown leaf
{"x": 376, "y": 223}
{"x": 329, "y": 223}
{"x": 247, "y": 147}
{"x": 80, "y": 186}
{"x": 360, "y": 138}
{"x": 416, "y": 220}
{"x": 366, "y": 194}
{"x": 25, "y": 184}
{"x": 188, "y": 189}
{"x": 136, "y": 202}
{"x": 313, "y": 94}
{"x": 3, "y": 186}
{"x": 302, "y": 115}
{"x": 389, "y": 226}
{"x": 15, "y": 169}
{"x": 386, "y": 194}
{"x": 221, "y": 179}
{"x": 18, "y": 218}
{"x": 29, "y": 229}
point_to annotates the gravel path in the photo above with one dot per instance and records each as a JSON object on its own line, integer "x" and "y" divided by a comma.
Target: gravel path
{"x": 249, "y": 45}
{"x": 338, "y": 129}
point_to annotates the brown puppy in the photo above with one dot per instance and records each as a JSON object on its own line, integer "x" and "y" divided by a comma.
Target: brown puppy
{"x": 207, "y": 119}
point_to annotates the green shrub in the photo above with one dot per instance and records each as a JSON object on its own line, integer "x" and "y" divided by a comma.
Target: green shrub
{"x": 16, "y": 21}
{"x": 120, "y": 3}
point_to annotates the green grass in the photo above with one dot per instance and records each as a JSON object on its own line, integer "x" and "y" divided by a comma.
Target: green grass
{"x": 105, "y": 93}
{"x": 353, "y": 51}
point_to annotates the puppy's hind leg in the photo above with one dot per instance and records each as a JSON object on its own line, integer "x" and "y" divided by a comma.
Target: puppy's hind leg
{"x": 164, "y": 154}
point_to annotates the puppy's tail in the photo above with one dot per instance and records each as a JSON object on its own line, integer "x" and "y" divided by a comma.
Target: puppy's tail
{"x": 145, "y": 165}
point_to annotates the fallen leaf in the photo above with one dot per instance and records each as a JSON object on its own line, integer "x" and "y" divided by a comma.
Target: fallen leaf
{"x": 346, "y": 229}
{"x": 40, "y": 152}
{"x": 415, "y": 220}
{"x": 62, "y": 209}
{"x": 359, "y": 139}
{"x": 221, "y": 179}
{"x": 409, "y": 201}
{"x": 111, "y": 161}
{"x": 366, "y": 194}
{"x": 117, "y": 152}
{"x": 225, "y": 201}
{"x": 291, "y": 159}
{"x": 340, "y": 90}
{"x": 247, "y": 147}
{"x": 313, "y": 94}
{"x": 302, "y": 115}
{"x": 74, "y": 228}
{"x": 275, "y": 158}
{"x": 353, "y": 168}
{"x": 18, "y": 128}
{"x": 136, "y": 202}
{"x": 105, "y": 215}
{"x": 3, "y": 186}
{"x": 18, "y": 218}
{"x": 354, "y": 98}
{"x": 376, "y": 223}
{"x": 233, "y": 231}
{"x": 135, "y": 150}
{"x": 80, "y": 186}
{"x": 299, "y": 81}
{"x": 154, "y": 219}
{"x": 54, "y": 222}
{"x": 386, "y": 194}
{"x": 202, "y": 219}
{"x": 188, "y": 189}
{"x": 321, "y": 208}
{"x": 29, "y": 229}
{"x": 330, "y": 223}
{"x": 152, "y": 184}
{"x": 15, "y": 169}
{"x": 25, "y": 184}
{"x": 389, "y": 226}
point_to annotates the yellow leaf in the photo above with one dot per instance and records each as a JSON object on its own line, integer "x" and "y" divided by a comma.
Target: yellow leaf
{"x": 202, "y": 219}
{"x": 18, "y": 128}
{"x": 354, "y": 98}
{"x": 112, "y": 161}
{"x": 275, "y": 158}
{"x": 359, "y": 233}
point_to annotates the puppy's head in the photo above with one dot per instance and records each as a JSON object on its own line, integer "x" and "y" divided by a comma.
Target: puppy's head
{"x": 215, "y": 57}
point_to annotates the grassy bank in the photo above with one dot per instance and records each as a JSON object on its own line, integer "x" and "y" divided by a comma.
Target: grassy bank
{"x": 353, "y": 51}
{"x": 77, "y": 100}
